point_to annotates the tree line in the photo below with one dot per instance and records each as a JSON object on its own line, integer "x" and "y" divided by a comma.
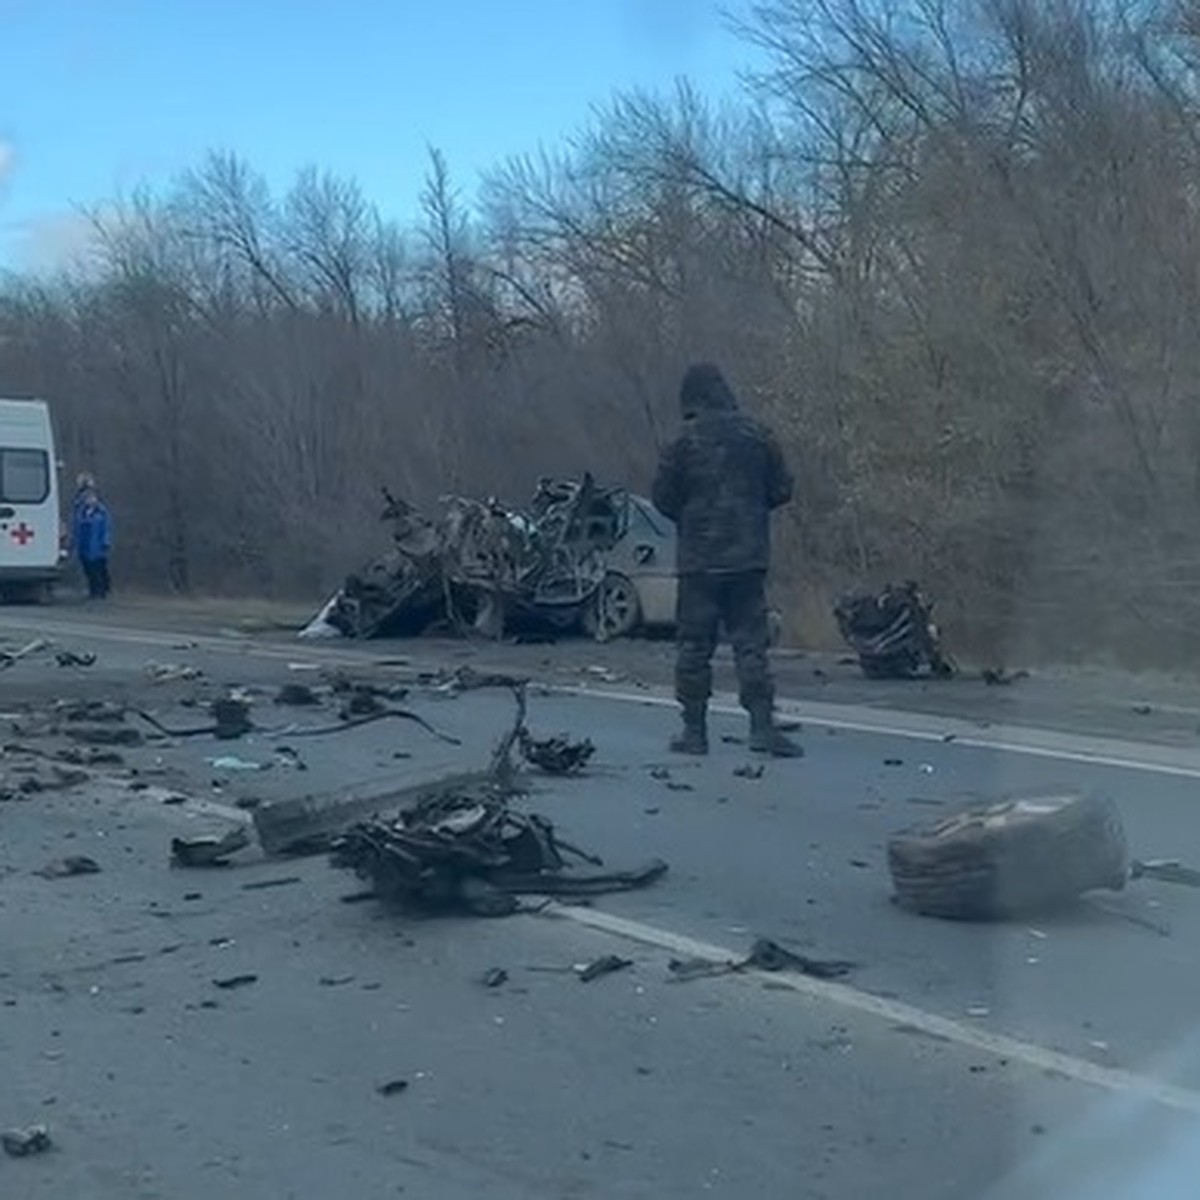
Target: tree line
{"x": 949, "y": 248}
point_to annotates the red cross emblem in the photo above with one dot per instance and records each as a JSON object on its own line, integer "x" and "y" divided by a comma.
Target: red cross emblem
{"x": 22, "y": 535}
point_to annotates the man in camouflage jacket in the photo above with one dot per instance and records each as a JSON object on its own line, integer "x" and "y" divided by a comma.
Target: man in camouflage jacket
{"x": 719, "y": 481}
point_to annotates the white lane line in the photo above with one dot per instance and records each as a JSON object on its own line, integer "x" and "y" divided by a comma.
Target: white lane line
{"x": 1033, "y": 742}
{"x": 897, "y": 1013}
{"x": 948, "y": 731}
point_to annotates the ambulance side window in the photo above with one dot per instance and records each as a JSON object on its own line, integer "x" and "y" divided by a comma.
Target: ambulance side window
{"x": 24, "y": 476}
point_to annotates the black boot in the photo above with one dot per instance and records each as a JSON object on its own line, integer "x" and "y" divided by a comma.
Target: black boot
{"x": 766, "y": 738}
{"x": 694, "y": 738}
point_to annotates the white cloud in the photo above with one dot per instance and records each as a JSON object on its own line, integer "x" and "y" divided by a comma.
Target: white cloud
{"x": 49, "y": 243}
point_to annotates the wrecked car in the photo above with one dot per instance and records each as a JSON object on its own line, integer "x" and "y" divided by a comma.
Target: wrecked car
{"x": 581, "y": 556}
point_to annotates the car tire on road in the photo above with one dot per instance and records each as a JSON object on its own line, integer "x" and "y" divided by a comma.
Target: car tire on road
{"x": 615, "y": 611}
{"x": 1010, "y": 859}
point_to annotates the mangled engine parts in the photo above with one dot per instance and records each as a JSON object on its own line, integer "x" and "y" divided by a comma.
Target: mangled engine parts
{"x": 473, "y": 852}
{"x": 892, "y": 633}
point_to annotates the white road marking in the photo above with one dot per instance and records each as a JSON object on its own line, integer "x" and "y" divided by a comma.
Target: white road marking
{"x": 897, "y": 1013}
{"x": 1178, "y": 761}
{"x": 949, "y": 732}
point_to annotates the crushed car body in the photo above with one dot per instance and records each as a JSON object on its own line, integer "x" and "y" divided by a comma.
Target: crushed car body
{"x": 580, "y": 556}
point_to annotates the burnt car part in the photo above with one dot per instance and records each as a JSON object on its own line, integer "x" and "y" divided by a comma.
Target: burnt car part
{"x": 480, "y": 565}
{"x": 892, "y": 632}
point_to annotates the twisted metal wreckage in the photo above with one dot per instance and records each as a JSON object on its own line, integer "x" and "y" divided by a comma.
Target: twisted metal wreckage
{"x": 463, "y": 846}
{"x": 480, "y": 564}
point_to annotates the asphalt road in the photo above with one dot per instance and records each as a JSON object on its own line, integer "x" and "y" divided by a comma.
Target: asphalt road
{"x": 956, "y": 1061}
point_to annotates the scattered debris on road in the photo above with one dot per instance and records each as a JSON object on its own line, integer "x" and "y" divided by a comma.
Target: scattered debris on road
{"x": 557, "y": 755}
{"x": 393, "y": 1087}
{"x": 20, "y": 1143}
{"x": 69, "y": 658}
{"x": 765, "y": 955}
{"x": 749, "y": 771}
{"x": 235, "y": 981}
{"x": 71, "y": 865}
{"x": 494, "y": 977}
{"x": 213, "y": 851}
{"x": 465, "y": 847}
{"x": 606, "y": 964}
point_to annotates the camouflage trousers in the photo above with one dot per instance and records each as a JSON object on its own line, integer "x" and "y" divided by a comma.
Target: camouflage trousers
{"x": 739, "y": 603}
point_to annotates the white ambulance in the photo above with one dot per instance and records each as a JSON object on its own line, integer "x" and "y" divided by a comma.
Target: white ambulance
{"x": 31, "y": 530}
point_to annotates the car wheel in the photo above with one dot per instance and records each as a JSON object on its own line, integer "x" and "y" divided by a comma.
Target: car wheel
{"x": 1009, "y": 859}
{"x": 614, "y": 611}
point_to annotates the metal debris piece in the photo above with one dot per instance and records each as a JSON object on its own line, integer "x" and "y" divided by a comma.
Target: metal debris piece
{"x": 557, "y": 755}
{"x": 297, "y": 695}
{"x": 19, "y": 1143}
{"x": 494, "y": 977}
{"x": 212, "y": 851}
{"x": 65, "y": 868}
{"x": 235, "y": 981}
{"x": 464, "y": 847}
{"x": 765, "y": 955}
{"x": 749, "y": 771}
{"x": 69, "y": 658}
{"x": 172, "y": 673}
{"x": 606, "y": 964}
{"x": 393, "y": 1087}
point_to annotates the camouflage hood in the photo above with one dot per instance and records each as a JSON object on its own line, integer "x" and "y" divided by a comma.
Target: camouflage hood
{"x": 704, "y": 390}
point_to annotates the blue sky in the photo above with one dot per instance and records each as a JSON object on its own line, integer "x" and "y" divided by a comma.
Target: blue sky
{"x": 97, "y": 96}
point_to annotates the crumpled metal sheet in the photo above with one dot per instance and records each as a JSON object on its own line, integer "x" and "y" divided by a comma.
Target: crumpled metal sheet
{"x": 551, "y": 555}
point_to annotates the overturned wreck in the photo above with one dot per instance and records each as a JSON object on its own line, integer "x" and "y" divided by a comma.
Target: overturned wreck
{"x": 601, "y": 559}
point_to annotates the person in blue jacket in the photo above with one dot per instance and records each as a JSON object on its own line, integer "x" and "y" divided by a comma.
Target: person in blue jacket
{"x": 92, "y": 538}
